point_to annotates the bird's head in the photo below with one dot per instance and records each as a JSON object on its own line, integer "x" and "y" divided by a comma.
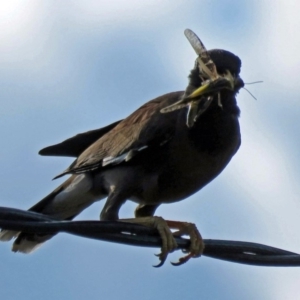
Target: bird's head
{"x": 215, "y": 72}
{"x": 221, "y": 72}
{"x": 228, "y": 65}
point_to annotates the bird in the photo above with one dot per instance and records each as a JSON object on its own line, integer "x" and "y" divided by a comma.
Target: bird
{"x": 165, "y": 151}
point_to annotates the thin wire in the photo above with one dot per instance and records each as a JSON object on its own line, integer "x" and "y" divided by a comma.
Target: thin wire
{"x": 137, "y": 235}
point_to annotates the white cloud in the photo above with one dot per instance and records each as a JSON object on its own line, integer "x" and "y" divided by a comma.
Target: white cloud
{"x": 114, "y": 12}
{"x": 278, "y": 44}
{"x": 16, "y": 16}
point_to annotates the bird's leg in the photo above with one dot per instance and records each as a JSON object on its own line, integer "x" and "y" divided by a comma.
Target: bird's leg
{"x": 168, "y": 242}
{"x": 110, "y": 211}
{"x": 197, "y": 244}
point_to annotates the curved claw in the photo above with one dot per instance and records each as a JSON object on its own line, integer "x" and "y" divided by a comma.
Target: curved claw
{"x": 162, "y": 257}
{"x": 168, "y": 242}
{"x": 196, "y": 247}
{"x": 182, "y": 260}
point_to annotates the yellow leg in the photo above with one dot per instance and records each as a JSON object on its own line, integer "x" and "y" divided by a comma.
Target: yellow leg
{"x": 168, "y": 242}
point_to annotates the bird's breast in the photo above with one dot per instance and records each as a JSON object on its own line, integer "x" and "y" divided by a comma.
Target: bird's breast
{"x": 196, "y": 158}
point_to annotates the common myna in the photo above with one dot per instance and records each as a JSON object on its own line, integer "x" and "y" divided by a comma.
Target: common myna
{"x": 165, "y": 151}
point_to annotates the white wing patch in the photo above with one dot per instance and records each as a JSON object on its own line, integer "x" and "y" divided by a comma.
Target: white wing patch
{"x": 110, "y": 160}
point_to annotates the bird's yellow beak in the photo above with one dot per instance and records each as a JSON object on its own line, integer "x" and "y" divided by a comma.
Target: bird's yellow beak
{"x": 213, "y": 86}
{"x": 203, "y": 89}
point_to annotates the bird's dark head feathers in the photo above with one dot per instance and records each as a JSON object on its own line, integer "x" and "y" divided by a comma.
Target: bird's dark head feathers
{"x": 225, "y": 60}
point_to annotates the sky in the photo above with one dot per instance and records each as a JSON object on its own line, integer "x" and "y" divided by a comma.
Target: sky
{"x": 71, "y": 66}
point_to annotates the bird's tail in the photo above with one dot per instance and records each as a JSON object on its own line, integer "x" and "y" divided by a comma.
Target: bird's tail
{"x": 64, "y": 203}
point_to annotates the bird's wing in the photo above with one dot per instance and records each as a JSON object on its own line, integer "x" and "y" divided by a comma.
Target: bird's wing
{"x": 75, "y": 145}
{"x": 144, "y": 128}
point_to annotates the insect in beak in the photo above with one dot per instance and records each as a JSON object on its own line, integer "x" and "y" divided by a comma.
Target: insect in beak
{"x": 200, "y": 99}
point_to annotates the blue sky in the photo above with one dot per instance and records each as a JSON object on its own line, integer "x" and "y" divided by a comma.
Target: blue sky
{"x": 71, "y": 66}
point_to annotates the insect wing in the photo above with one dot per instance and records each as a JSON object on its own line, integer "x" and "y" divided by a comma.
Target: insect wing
{"x": 207, "y": 66}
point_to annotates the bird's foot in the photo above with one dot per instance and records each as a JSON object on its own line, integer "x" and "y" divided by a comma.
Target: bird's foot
{"x": 168, "y": 242}
{"x": 197, "y": 244}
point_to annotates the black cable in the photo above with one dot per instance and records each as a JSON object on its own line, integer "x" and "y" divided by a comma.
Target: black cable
{"x": 138, "y": 235}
